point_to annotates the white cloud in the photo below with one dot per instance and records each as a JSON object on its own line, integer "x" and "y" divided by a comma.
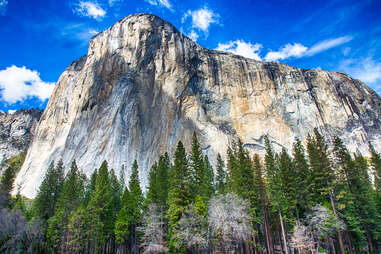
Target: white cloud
{"x": 11, "y": 111}
{"x": 3, "y": 6}
{"x": 201, "y": 20}
{"x": 298, "y": 50}
{"x": 193, "y": 35}
{"x": 17, "y": 84}
{"x": 86, "y": 35}
{"x": 164, "y": 3}
{"x": 240, "y": 47}
{"x": 112, "y": 2}
{"x": 90, "y": 9}
{"x": 327, "y": 44}
{"x": 290, "y": 50}
{"x": 366, "y": 70}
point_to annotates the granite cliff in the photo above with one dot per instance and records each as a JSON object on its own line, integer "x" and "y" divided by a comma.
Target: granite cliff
{"x": 143, "y": 86}
{"x": 16, "y": 132}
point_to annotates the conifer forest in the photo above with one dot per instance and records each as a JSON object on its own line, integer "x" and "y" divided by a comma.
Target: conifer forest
{"x": 317, "y": 198}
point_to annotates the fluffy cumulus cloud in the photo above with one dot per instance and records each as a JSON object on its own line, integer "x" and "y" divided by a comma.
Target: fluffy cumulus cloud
{"x": 240, "y": 47}
{"x": 298, "y": 50}
{"x": 19, "y": 83}
{"x": 367, "y": 70}
{"x": 193, "y": 35}
{"x": 161, "y": 3}
{"x": 201, "y": 20}
{"x": 3, "y": 6}
{"x": 90, "y": 9}
{"x": 290, "y": 50}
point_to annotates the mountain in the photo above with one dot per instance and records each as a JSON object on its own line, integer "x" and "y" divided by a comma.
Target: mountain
{"x": 16, "y": 131}
{"x": 143, "y": 86}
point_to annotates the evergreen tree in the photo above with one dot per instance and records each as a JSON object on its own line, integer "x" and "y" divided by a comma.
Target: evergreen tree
{"x": 221, "y": 176}
{"x": 179, "y": 195}
{"x": 8, "y": 177}
{"x": 197, "y": 166}
{"x": 301, "y": 180}
{"x": 123, "y": 221}
{"x": 69, "y": 199}
{"x": 152, "y": 189}
{"x": 207, "y": 185}
{"x": 321, "y": 171}
{"x": 130, "y": 215}
{"x": 361, "y": 188}
{"x": 6, "y": 185}
{"x": 344, "y": 199}
{"x": 100, "y": 211}
{"x": 276, "y": 186}
{"x": 375, "y": 162}
{"x": 163, "y": 180}
{"x": 47, "y": 195}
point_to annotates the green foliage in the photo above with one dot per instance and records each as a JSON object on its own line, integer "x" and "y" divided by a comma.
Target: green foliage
{"x": 69, "y": 199}
{"x": 8, "y": 177}
{"x": 221, "y": 180}
{"x": 321, "y": 172}
{"x": 180, "y": 192}
{"x": 158, "y": 182}
{"x": 302, "y": 177}
{"x": 47, "y": 195}
{"x": 130, "y": 214}
{"x": 100, "y": 208}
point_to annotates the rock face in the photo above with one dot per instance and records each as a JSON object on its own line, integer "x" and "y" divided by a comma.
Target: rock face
{"x": 16, "y": 131}
{"x": 143, "y": 86}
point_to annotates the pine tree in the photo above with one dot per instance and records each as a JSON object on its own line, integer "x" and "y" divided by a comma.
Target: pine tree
{"x": 242, "y": 179}
{"x": 301, "y": 181}
{"x": 163, "y": 180}
{"x": 321, "y": 171}
{"x": 180, "y": 194}
{"x": 100, "y": 210}
{"x": 6, "y": 185}
{"x": 261, "y": 200}
{"x": 135, "y": 202}
{"x": 152, "y": 189}
{"x": 47, "y": 195}
{"x": 123, "y": 221}
{"x": 130, "y": 215}
{"x": 69, "y": 199}
{"x": 375, "y": 162}
{"x": 343, "y": 199}
{"x": 361, "y": 188}
{"x": 221, "y": 176}
{"x": 207, "y": 185}
{"x": 277, "y": 195}
{"x": 8, "y": 177}
{"x": 197, "y": 166}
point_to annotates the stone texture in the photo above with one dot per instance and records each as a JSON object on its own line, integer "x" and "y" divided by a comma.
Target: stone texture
{"x": 143, "y": 86}
{"x": 16, "y": 132}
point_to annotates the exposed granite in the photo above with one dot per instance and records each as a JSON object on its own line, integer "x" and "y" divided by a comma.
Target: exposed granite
{"x": 143, "y": 86}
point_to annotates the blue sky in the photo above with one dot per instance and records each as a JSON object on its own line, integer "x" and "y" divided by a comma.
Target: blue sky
{"x": 40, "y": 38}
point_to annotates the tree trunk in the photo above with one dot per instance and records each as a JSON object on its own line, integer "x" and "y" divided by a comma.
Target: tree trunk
{"x": 370, "y": 244}
{"x": 283, "y": 232}
{"x": 333, "y": 245}
{"x": 342, "y": 247}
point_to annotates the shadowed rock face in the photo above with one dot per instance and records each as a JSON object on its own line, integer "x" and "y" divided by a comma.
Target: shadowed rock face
{"x": 16, "y": 132}
{"x": 143, "y": 86}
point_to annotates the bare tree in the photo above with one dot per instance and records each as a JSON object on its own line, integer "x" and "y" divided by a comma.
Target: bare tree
{"x": 229, "y": 221}
{"x": 16, "y": 235}
{"x": 324, "y": 223}
{"x": 192, "y": 230}
{"x": 302, "y": 239}
{"x": 153, "y": 239}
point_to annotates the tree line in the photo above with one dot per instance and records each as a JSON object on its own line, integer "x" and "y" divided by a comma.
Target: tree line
{"x": 316, "y": 199}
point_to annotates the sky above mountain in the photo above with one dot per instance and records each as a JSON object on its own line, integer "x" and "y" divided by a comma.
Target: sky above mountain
{"x": 40, "y": 38}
